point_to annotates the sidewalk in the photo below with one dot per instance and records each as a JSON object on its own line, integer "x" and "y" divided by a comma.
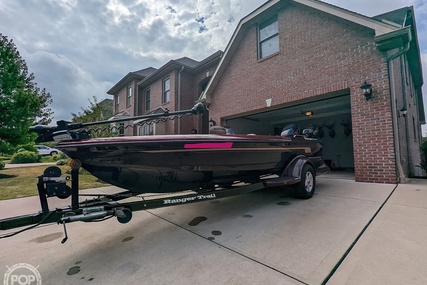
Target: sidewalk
{"x": 393, "y": 250}
{"x": 348, "y": 233}
{"x": 12, "y": 165}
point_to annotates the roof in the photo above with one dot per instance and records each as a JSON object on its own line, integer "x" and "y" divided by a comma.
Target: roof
{"x": 187, "y": 61}
{"x": 397, "y": 16}
{"x": 120, "y": 115}
{"x": 189, "y": 64}
{"x": 377, "y": 24}
{"x": 135, "y": 75}
{"x": 407, "y": 35}
{"x": 144, "y": 72}
{"x": 158, "y": 110}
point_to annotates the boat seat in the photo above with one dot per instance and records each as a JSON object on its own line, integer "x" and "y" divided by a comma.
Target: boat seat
{"x": 217, "y": 130}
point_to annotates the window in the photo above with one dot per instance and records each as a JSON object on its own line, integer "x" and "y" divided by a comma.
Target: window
{"x": 116, "y": 107}
{"x": 147, "y": 100}
{"x": 121, "y": 129}
{"x": 268, "y": 36}
{"x": 166, "y": 90}
{"x": 146, "y": 130}
{"x": 129, "y": 97}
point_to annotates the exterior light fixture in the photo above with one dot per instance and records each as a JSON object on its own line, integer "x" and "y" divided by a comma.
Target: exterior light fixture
{"x": 212, "y": 123}
{"x": 403, "y": 112}
{"x": 309, "y": 113}
{"x": 367, "y": 90}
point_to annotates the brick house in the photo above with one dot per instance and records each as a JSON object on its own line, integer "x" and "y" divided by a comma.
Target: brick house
{"x": 174, "y": 86}
{"x": 124, "y": 96}
{"x": 305, "y": 61}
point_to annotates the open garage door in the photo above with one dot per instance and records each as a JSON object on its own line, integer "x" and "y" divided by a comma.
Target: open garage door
{"x": 332, "y": 116}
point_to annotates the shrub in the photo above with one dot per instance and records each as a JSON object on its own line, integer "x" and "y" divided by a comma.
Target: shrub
{"x": 25, "y": 156}
{"x": 423, "y": 163}
{"x": 2, "y": 165}
{"x": 60, "y": 156}
{"x": 30, "y": 147}
{"x": 62, "y": 162}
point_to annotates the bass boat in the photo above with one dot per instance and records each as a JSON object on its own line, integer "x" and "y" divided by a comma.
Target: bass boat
{"x": 198, "y": 162}
{"x": 171, "y": 163}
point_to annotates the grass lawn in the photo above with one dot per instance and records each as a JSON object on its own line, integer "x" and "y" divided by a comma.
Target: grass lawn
{"x": 22, "y": 181}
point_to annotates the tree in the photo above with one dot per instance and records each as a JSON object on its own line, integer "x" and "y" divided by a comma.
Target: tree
{"x": 97, "y": 111}
{"x": 22, "y": 103}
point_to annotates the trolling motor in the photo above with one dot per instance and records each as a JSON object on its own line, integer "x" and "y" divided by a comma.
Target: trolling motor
{"x": 65, "y": 130}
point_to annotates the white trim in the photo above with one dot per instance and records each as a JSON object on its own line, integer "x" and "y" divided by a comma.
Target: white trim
{"x": 379, "y": 27}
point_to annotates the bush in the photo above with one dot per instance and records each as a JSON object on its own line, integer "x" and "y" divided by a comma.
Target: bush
{"x": 2, "y": 165}
{"x": 60, "y": 156}
{"x": 25, "y": 156}
{"x": 30, "y": 147}
{"x": 62, "y": 162}
{"x": 424, "y": 154}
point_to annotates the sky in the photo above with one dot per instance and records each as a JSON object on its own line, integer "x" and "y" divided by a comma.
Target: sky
{"x": 78, "y": 49}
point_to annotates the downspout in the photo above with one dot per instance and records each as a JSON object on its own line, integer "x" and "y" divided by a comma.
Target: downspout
{"x": 179, "y": 98}
{"x": 403, "y": 72}
{"x": 394, "y": 111}
{"x": 135, "y": 108}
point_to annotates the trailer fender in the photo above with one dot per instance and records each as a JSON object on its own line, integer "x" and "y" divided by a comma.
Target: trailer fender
{"x": 295, "y": 167}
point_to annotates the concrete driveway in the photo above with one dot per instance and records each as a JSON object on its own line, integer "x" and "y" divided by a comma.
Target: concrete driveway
{"x": 348, "y": 233}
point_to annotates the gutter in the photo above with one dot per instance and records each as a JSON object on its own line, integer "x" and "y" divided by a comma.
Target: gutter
{"x": 179, "y": 98}
{"x": 401, "y": 174}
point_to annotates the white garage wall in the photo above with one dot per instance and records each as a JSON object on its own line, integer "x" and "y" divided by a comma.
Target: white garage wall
{"x": 338, "y": 149}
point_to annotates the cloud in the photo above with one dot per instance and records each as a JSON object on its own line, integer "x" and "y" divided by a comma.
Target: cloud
{"x": 67, "y": 82}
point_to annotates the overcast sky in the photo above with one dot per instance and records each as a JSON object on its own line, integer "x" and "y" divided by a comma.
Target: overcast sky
{"x": 78, "y": 49}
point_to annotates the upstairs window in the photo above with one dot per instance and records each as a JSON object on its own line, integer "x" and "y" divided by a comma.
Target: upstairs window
{"x": 129, "y": 97}
{"x": 147, "y": 100}
{"x": 116, "y": 107}
{"x": 166, "y": 91}
{"x": 268, "y": 36}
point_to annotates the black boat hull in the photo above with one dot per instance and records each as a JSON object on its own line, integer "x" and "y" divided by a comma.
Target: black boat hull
{"x": 159, "y": 164}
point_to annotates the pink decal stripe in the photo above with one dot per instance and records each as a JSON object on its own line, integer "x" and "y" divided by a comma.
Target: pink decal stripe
{"x": 208, "y": 145}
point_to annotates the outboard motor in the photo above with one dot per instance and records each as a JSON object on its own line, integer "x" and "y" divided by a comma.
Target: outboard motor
{"x": 290, "y": 130}
{"x": 310, "y": 132}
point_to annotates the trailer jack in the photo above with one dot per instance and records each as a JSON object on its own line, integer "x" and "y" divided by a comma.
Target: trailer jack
{"x": 94, "y": 214}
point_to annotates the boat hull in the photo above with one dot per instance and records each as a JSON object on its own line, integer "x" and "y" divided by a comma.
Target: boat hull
{"x": 157, "y": 164}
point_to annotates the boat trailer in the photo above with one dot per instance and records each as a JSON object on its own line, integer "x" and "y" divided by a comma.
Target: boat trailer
{"x": 120, "y": 205}
{"x": 299, "y": 172}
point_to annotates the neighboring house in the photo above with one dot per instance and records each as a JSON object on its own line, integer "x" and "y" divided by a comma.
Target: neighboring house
{"x": 175, "y": 86}
{"x": 124, "y": 97}
{"x": 305, "y": 61}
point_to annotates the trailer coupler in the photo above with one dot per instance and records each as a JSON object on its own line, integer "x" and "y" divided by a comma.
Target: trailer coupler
{"x": 95, "y": 214}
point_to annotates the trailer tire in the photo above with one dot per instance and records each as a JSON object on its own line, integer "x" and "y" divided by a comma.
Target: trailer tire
{"x": 305, "y": 189}
{"x": 127, "y": 216}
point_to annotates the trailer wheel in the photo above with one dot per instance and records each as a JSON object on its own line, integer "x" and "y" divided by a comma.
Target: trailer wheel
{"x": 305, "y": 189}
{"x": 125, "y": 217}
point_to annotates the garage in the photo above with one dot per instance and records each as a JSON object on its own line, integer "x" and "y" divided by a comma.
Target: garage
{"x": 330, "y": 116}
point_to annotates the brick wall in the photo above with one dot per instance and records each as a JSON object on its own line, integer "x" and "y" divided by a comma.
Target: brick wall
{"x": 187, "y": 101}
{"x": 318, "y": 54}
{"x": 124, "y": 107}
{"x": 190, "y": 93}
